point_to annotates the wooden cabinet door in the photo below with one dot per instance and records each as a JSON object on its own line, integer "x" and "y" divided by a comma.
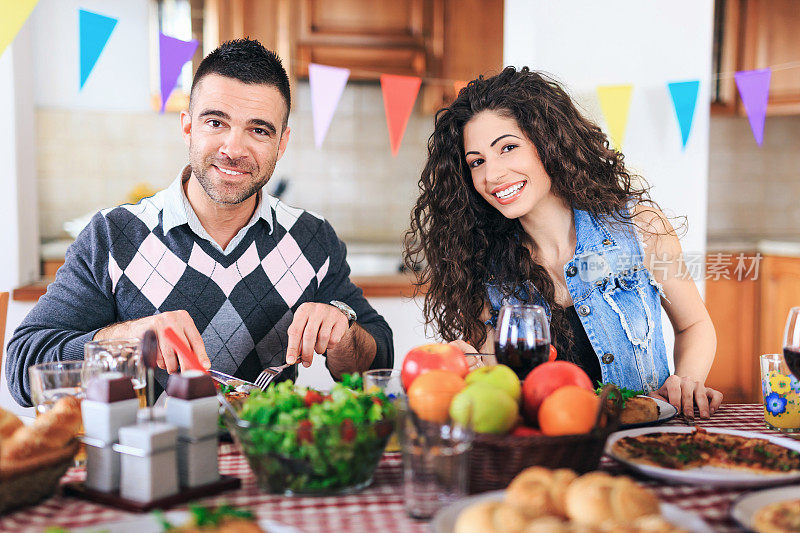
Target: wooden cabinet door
{"x": 780, "y": 291}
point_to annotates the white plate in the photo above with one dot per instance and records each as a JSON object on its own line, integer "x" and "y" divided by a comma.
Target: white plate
{"x": 706, "y": 475}
{"x": 149, "y": 524}
{"x": 666, "y": 411}
{"x": 445, "y": 519}
{"x": 745, "y": 507}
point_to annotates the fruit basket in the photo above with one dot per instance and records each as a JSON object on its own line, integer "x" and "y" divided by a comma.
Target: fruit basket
{"x": 28, "y": 482}
{"x": 496, "y": 459}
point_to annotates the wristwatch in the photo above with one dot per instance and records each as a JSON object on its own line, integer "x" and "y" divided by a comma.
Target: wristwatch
{"x": 347, "y": 310}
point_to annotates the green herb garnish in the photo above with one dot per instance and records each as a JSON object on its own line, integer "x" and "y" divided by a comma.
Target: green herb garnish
{"x": 625, "y": 393}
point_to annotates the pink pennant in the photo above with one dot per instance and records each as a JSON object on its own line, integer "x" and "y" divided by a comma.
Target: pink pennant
{"x": 327, "y": 85}
{"x": 173, "y": 54}
{"x": 754, "y": 89}
{"x": 399, "y": 95}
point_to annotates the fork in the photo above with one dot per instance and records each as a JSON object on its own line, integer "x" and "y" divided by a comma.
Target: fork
{"x": 270, "y": 373}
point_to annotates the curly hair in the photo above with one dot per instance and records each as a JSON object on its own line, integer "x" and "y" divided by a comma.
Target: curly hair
{"x": 458, "y": 242}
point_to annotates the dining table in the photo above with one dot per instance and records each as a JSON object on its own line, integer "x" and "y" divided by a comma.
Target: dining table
{"x": 380, "y": 506}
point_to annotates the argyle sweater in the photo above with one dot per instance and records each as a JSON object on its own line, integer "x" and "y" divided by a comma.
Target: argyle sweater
{"x": 123, "y": 267}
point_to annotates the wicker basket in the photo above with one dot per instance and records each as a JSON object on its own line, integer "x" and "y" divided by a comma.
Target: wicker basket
{"x": 29, "y": 482}
{"x": 496, "y": 459}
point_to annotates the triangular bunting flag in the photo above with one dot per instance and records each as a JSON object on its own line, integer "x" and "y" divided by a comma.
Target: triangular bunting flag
{"x": 615, "y": 102}
{"x": 399, "y": 95}
{"x": 95, "y": 29}
{"x": 684, "y": 98}
{"x": 327, "y": 85}
{"x": 15, "y": 13}
{"x": 173, "y": 54}
{"x": 754, "y": 89}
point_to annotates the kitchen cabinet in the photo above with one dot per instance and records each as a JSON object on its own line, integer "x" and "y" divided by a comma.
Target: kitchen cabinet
{"x": 749, "y": 317}
{"x": 754, "y": 34}
{"x": 441, "y": 41}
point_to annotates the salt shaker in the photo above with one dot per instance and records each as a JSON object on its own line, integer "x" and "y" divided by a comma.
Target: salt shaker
{"x": 110, "y": 404}
{"x": 148, "y": 461}
{"x": 193, "y": 407}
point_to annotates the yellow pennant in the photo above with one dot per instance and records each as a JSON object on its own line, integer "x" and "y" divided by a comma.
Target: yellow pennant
{"x": 615, "y": 102}
{"x": 14, "y": 13}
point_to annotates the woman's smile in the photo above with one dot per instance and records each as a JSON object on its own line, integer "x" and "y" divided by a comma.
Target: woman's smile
{"x": 507, "y": 193}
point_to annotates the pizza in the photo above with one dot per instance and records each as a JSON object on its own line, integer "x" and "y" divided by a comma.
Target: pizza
{"x": 778, "y": 517}
{"x": 682, "y": 451}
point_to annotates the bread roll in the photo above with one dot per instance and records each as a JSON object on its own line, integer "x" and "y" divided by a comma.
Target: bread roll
{"x": 629, "y": 501}
{"x": 538, "y": 491}
{"x": 548, "y": 524}
{"x": 598, "y": 498}
{"x": 9, "y": 423}
{"x": 639, "y": 410}
{"x": 51, "y": 431}
{"x": 508, "y": 518}
{"x": 477, "y": 518}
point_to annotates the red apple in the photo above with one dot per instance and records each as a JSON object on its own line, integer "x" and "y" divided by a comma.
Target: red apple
{"x": 525, "y": 431}
{"x": 546, "y": 378}
{"x": 432, "y": 357}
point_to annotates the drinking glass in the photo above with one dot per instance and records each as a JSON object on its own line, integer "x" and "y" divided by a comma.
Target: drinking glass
{"x": 117, "y": 355}
{"x": 390, "y": 383}
{"x": 522, "y": 339}
{"x": 435, "y": 463}
{"x": 781, "y": 394}
{"x": 791, "y": 342}
{"x": 51, "y": 382}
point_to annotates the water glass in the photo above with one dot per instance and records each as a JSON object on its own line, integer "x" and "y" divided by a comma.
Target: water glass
{"x": 117, "y": 355}
{"x": 781, "y": 394}
{"x": 435, "y": 463}
{"x": 388, "y": 381}
{"x": 52, "y": 381}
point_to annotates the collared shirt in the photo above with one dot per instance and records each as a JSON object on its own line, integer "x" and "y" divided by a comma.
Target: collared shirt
{"x": 178, "y": 211}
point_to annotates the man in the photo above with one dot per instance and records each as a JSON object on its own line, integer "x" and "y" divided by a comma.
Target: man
{"x": 244, "y": 279}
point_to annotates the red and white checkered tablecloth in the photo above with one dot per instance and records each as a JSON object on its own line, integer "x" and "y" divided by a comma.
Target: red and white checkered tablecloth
{"x": 380, "y": 506}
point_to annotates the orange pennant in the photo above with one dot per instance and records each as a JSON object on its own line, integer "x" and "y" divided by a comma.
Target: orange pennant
{"x": 399, "y": 95}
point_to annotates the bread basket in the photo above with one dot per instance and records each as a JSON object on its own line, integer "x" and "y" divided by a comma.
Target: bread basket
{"x": 496, "y": 459}
{"x": 27, "y": 482}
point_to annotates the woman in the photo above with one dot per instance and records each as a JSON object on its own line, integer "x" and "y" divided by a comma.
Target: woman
{"x": 522, "y": 200}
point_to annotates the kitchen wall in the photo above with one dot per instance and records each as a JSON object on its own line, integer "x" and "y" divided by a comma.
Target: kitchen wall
{"x": 91, "y": 159}
{"x": 753, "y": 190}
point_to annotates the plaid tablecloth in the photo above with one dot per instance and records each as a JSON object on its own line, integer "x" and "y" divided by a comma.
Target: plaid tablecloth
{"x": 379, "y": 507}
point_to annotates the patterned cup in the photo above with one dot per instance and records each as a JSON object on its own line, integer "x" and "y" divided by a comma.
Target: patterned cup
{"x": 781, "y": 394}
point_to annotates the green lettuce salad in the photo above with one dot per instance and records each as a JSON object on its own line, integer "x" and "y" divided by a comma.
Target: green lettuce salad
{"x": 298, "y": 440}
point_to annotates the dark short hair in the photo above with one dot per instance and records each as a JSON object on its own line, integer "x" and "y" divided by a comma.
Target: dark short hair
{"x": 249, "y": 62}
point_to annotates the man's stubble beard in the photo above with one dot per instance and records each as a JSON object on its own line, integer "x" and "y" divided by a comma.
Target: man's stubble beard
{"x": 200, "y": 169}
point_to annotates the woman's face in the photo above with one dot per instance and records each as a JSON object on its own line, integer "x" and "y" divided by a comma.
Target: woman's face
{"x": 505, "y": 166}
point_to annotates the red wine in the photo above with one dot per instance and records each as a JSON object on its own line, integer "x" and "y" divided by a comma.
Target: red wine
{"x": 792, "y": 357}
{"x": 521, "y": 357}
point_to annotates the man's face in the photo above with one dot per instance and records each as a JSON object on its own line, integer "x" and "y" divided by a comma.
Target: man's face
{"x": 235, "y": 136}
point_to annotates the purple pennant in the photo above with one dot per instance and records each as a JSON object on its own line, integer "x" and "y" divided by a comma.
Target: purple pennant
{"x": 754, "y": 89}
{"x": 173, "y": 53}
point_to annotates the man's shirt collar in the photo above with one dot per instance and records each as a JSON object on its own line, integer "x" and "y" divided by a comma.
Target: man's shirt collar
{"x": 178, "y": 211}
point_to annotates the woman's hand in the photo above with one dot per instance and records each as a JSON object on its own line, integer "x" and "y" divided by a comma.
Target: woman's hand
{"x": 684, "y": 393}
{"x": 472, "y": 361}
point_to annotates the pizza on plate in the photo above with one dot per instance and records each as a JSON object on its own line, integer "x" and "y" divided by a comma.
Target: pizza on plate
{"x": 699, "y": 448}
{"x": 778, "y": 517}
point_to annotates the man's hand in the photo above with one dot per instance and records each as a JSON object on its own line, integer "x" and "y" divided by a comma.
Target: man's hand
{"x": 684, "y": 393}
{"x": 316, "y": 328}
{"x": 168, "y": 358}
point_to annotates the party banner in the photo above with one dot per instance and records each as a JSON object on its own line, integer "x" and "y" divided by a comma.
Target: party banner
{"x": 754, "y": 89}
{"x": 327, "y": 85}
{"x": 173, "y": 54}
{"x": 615, "y": 102}
{"x": 684, "y": 98}
{"x": 399, "y": 95}
{"x": 14, "y": 15}
{"x": 95, "y": 30}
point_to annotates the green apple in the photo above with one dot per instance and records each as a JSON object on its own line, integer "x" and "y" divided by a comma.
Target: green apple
{"x": 499, "y": 376}
{"x": 485, "y": 408}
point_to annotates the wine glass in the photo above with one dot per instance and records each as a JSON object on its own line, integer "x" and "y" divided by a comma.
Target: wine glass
{"x": 791, "y": 342}
{"x": 522, "y": 339}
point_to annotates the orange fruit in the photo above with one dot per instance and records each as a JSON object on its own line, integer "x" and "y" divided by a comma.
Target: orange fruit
{"x": 569, "y": 410}
{"x": 430, "y": 394}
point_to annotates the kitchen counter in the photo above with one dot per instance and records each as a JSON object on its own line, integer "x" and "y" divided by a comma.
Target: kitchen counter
{"x": 377, "y": 286}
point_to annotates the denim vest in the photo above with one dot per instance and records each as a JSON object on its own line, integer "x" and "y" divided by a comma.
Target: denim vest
{"x": 616, "y": 298}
